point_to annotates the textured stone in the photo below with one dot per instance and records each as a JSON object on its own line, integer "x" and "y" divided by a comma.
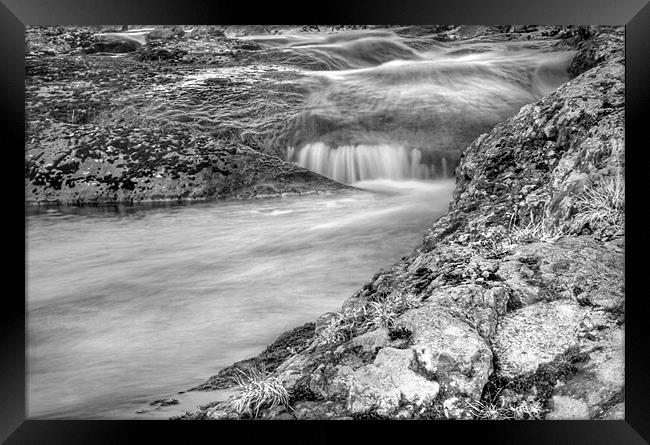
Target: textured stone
{"x": 568, "y": 408}
{"x": 533, "y": 335}
{"x": 474, "y": 304}
{"x": 389, "y": 380}
{"x": 598, "y": 385}
{"x": 371, "y": 341}
{"x": 448, "y": 349}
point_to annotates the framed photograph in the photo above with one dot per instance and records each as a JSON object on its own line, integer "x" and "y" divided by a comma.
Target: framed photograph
{"x": 313, "y": 223}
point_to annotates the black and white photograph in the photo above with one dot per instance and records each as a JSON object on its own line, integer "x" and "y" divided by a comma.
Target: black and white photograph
{"x": 340, "y": 222}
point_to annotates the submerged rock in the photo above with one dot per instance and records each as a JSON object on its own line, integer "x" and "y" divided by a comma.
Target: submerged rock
{"x": 164, "y": 402}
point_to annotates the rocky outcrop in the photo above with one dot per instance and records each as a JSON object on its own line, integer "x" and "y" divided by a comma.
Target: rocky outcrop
{"x": 80, "y": 164}
{"x": 516, "y": 296}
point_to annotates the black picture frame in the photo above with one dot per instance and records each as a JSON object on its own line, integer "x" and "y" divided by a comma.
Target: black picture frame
{"x": 634, "y": 14}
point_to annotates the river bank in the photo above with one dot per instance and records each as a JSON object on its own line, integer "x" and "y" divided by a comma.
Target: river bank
{"x": 513, "y": 306}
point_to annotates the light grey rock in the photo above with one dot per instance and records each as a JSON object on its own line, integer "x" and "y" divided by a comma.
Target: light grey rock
{"x": 474, "y": 304}
{"x": 512, "y": 272}
{"x": 568, "y": 408}
{"x": 599, "y": 382}
{"x": 381, "y": 386}
{"x": 449, "y": 349}
{"x": 536, "y": 334}
{"x": 371, "y": 341}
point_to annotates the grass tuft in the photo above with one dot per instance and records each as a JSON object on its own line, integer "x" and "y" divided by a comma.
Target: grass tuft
{"x": 489, "y": 411}
{"x": 375, "y": 314}
{"x": 601, "y": 206}
{"x": 257, "y": 390}
{"x": 382, "y": 314}
{"x": 527, "y": 410}
{"x": 521, "y": 410}
{"x": 536, "y": 231}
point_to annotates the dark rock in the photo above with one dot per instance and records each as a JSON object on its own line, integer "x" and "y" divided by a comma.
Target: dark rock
{"x": 165, "y": 402}
{"x": 114, "y": 46}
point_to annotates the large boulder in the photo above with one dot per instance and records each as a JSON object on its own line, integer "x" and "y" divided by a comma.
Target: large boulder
{"x": 535, "y": 335}
{"x": 572, "y": 268}
{"x": 474, "y": 304}
{"x": 596, "y": 390}
{"x": 449, "y": 350}
{"x": 390, "y": 383}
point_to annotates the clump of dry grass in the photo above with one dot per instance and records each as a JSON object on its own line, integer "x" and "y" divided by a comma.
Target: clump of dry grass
{"x": 384, "y": 313}
{"x": 522, "y": 410}
{"x": 257, "y": 390}
{"x": 375, "y": 314}
{"x": 601, "y": 206}
{"x": 342, "y": 325}
{"x": 489, "y": 411}
{"x": 541, "y": 230}
{"x": 527, "y": 410}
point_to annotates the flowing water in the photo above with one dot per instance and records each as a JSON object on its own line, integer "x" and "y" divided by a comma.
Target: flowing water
{"x": 127, "y": 305}
{"x": 124, "y": 307}
{"x": 389, "y": 106}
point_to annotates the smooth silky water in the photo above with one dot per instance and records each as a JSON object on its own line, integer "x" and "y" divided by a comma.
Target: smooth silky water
{"x": 126, "y": 306}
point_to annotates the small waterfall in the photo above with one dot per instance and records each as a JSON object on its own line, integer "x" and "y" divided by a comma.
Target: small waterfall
{"x": 354, "y": 163}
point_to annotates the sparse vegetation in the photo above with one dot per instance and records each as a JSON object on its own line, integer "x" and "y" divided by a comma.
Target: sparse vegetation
{"x": 383, "y": 313}
{"x": 521, "y": 410}
{"x": 342, "y": 326}
{"x": 375, "y": 314}
{"x": 257, "y": 390}
{"x": 541, "y": 230}
{"x": 527, "y": 410}
{"x": 600, "y": 206}
{"x": 482, "y": 410}
{"x": 496, "y": 248}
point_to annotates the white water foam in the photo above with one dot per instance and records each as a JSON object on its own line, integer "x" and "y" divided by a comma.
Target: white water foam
{"x": 353, "y": 163}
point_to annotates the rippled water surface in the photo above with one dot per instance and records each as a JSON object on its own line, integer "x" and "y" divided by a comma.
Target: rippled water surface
{"x": 124, "y": 308}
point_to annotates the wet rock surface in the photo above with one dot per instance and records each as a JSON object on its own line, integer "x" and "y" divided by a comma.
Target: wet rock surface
{"x": 81, "y": 164}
